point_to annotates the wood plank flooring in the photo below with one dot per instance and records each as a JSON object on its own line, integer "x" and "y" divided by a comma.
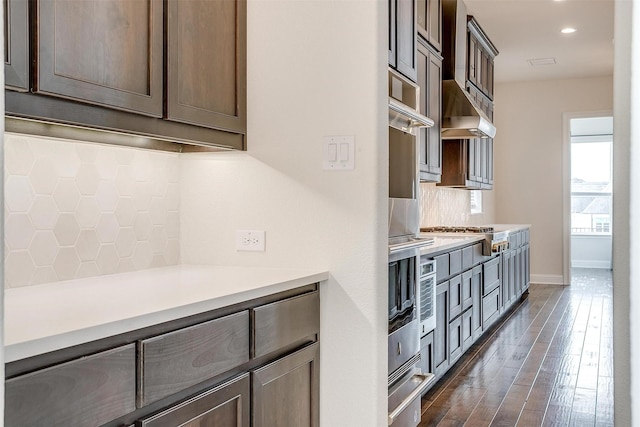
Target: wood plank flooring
{"x": 548, "y": 362}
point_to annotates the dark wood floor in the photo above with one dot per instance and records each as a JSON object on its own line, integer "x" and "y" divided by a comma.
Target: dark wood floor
{"x": 549, "y": 362}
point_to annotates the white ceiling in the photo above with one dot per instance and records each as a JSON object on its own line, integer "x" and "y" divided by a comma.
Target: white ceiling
{"x": 530, "y": 29}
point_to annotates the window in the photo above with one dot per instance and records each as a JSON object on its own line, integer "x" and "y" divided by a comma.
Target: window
{"x": 591, "y": 185}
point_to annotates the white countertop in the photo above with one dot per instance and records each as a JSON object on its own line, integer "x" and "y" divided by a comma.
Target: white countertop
{"x": 49, "y": 317}
{"x": 446, "y": 241}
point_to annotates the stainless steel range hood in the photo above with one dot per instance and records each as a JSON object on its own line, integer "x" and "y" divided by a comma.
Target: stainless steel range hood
{"x": 461, "y": 118}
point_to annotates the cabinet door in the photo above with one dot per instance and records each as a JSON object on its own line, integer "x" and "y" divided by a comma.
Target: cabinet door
{"x": 285, "y": 392}
{"x": 473, "y": 163}
{"x": 429, "y": 22}
{"x": 392, "y": 32}
{"x": 226, "y": 405}
{"x": 504, "y": 278}
{"x": 455, "y": 339}
{"x": 429, "y": 139}
{"x": 206, "y": 63}
{"x": 471, "y": 59}
{"x": 476, "y": 296}
{"x": 16, "y": 45}
{"x": 441, "y": 333}
{"x": 466, "y": 290}
{"x": 527, "y": 266}
{"x": 106, "y": 52}
{"x": 455, "y": 297}
{"x": 426, "y": 357}
{"x": 406, "y": 38}
{"x": 467, "y": 328}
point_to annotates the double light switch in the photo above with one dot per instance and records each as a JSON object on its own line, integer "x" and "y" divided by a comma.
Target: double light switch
{"x": 339, "y": 152}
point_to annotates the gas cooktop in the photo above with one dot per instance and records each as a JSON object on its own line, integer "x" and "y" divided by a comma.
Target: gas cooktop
{"x": 458, "y": 229}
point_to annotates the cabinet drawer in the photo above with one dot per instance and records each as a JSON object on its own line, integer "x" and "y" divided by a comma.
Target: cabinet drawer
{"x": 491, "y": 275}
{"x": 88, "y": 391}
{"x": 455, "y": 261}
{"x": 442, "y": 267}
{"x": 286, "y": 322}
{"x": 174, "y": 361}
{"x": 490, "y": 308}
{"x": 455, "y": 297}
{"x": 467, "y": 258}
{"x": 227, "y": 404}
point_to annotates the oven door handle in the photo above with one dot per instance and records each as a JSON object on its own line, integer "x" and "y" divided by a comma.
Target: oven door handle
{"x": 425, "y": 379}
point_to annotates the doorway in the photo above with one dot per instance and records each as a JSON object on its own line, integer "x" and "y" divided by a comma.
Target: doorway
{"x": 590, "y": 188}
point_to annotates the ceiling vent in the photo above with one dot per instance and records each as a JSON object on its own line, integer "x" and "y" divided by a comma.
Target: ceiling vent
{"x": 541, "y": 61}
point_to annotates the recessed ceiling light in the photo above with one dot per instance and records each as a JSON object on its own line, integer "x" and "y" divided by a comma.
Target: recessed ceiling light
{"x": 568, "y": 30}
{"x": 541, "y": 61}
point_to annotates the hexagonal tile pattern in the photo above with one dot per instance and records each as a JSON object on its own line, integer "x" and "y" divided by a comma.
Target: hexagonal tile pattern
{"x": 107, "y": 228}
{"x": 125, "y": 212}
{"x": 107, "y": 196}
{"x": 18, "y": 194}
{"x": 88, "y": 212}
{"x": 66, "y": 229}
{"x": 18, "y": 156}
{"x": 76, "y": 209}
{"x": 44, "y": 212}
{"x": 125, "y": 182}
{"x": 87, "y": 245}
{"x": 66, "y": 263}
{"x": 108, "y": 259}
{"x": 142, "y": 255}
{"x": 87, "y": 179}
{"x": 19, "y": 269}
{"x": 44, "y": 248}
{"x": 19, "y": 231}
{"x": 43, "y": 176}
{"x": 125, "y": 242}
{"x": 66, "y": 195}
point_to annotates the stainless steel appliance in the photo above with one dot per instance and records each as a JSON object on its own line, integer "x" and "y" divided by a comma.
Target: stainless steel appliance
{"x": 404, "y": 174}
{"x": 461, "y": 118}
{"x": 406, "y": 381}
{"x": 427, "y": 295}
{"x": 494, "y": 241}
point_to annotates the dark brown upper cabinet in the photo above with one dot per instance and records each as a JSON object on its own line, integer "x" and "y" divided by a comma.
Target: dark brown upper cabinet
{"x": 402, "y": 31}
{"x": 206, "y": 63}
{"x": 480, "y": 56}
{"x": 16, "y": 45}
{"x": 106, "y": 52}
{"x": 430, "y": 22}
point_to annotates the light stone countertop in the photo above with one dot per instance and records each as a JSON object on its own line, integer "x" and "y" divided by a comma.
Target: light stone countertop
{"x": 44, "y": 318}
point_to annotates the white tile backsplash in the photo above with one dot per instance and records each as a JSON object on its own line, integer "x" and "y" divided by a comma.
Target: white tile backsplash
{"x": 76, "y": 209}
{"x": 450, "y": 206}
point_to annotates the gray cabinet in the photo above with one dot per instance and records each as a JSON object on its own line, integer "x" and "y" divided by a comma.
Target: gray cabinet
{"x": 16, "y": 44}
{"x": 101, "y": 52}
{"x": 430, "y": 22}
{"x": 285, "y": 392}
{"x": 476, "y": 306}
{"x": 441, "y": 332}
{"x": 88, "y": 391}
{"x": 226, "y": 405}
{"x": 206, "y": 63}
{"x": 429, "y": 139}
{"x": 403, "y": 37}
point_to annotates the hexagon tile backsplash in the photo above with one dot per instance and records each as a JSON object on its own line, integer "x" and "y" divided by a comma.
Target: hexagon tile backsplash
{"x": 76, "y": 210}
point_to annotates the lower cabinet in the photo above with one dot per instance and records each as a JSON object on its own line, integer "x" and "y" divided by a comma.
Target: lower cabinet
{"x": 476, "y": 297}
{"x": 285, "y": 392}
{"x": 441, "y": 333}
{"x": 255, "y": 364}
{"x": 226, "y": 405}
{"x": 455, "y": 339}
{"x": 426, "y": 353}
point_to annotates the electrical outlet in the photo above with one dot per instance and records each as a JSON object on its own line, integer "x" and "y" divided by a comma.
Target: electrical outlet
{"x": 250, "y": 240}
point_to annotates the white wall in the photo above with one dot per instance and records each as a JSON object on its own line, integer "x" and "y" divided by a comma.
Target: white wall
{"x": 590, "y": 251}
{"x": 626, "y": 206}
{"x": 528, "y": 171}
{"x": 315, "y": 68}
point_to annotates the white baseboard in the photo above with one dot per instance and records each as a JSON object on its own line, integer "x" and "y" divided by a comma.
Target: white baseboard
{"x": 591, "y": 264}
{"x": 547, "y": 279}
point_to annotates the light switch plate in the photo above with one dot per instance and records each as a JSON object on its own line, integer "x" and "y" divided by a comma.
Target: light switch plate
{"x": 339, "y": 152}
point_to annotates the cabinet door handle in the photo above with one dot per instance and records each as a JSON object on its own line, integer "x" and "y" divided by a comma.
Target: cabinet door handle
{"x": 425, "y": 379}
